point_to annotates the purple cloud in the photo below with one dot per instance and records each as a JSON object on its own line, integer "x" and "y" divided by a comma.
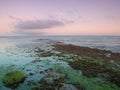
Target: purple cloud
{"x": 38, "y": 24}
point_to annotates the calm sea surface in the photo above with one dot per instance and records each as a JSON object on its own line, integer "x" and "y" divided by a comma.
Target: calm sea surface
{"x": 16, "y": 48}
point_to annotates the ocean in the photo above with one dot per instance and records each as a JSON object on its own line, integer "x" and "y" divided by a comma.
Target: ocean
{"x": 15, "y": 47}
{"x": 101, "y": 42}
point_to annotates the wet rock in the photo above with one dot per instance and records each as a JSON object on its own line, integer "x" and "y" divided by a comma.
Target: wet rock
{"x": 36, "y": 61}
{"x": 115, "y": 77}
{"x": 78, "y": 86}
{"x": 89, "y": 69}
{"x": 90, "y": 52}
{"x": 31, "y": 73}
{"x": 31, "y": 82}
{"x": 46, "y": 54}
{"x": 111, "y": 61}
{"x": 68, "y": 87}
{"x": 93, "y": 62}
{"x": 13, "y": 79}
{"x": 93, "y": 69}
{"x": 23, "y": 68}
{"x": 37, "y": 88}
{"x": 52, "y": 80}
{"x": 38, "y": 50}
{"x": 28, "y": 69}
{"x": 41, "y": 72}
{"x": 108, "y": 55}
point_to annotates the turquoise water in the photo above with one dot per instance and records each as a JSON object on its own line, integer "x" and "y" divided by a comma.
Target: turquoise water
{"x": 19, "y": 54}
{"x": 11, "y": 54}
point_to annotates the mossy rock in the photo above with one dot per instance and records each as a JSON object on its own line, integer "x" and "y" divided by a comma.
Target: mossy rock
{"x": 12, "y": 79}
{"x": 95, "y": 69}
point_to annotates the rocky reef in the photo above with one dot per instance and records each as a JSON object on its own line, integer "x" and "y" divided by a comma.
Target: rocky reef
{"x": 92, "y": 62}
{"x": 68, "y": 67}
{"x": 54, "y": 80}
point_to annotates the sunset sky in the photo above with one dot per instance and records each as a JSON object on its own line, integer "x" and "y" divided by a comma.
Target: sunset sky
{"x": 60, "y": 17}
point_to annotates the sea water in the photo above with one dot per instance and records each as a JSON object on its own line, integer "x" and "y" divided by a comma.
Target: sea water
{"x": 101, "y": 42}
{"x": 19, "y": 50}
{"x": 16, "y": 48}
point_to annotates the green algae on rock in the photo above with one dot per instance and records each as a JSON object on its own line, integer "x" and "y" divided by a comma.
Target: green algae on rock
{"x": 93, "y": 62}
{"x": 12, "y": 79}
{"x": 82, "y": 82}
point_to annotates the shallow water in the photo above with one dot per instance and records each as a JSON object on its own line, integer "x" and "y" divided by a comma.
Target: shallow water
{"x": 19, "y": 52}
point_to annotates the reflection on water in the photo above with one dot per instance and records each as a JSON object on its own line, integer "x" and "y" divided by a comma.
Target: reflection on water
{"x": 19, "y": 52}
{"x": 11, "y": 54}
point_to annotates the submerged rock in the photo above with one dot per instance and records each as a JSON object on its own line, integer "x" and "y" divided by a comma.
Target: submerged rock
{"x": 13, "y": 79}
{"x": 68, "y": 87}
{"x": 36, "y": 61}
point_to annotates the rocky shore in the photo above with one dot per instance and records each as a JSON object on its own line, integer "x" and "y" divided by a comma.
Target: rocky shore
{"x": 67, "y": 67}
{"x": 93, "y": 62}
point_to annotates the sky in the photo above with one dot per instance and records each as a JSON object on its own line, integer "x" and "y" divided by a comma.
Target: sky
{"x": 59, "y": 17}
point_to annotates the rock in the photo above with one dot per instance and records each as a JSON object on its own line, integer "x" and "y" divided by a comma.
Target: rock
{"x": 31, "y": 73}
{"x": 111, "y": 61}
{"x": 46, "y": 54}
{"x": 13, "y": 79}
{"x": 53, "y": 80}
{"x": 108, "y": 54}
{"x": 31, "y": 82}
{"x": 78, "y": 86}
{"x": 28, "y": 70}
{"x": 36, "y": 61}
{"x": 89, "y": 69}
{"x": 68, "y": 87}
{"x": 38, "y": 50}
{"x": 37, "y": 88}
